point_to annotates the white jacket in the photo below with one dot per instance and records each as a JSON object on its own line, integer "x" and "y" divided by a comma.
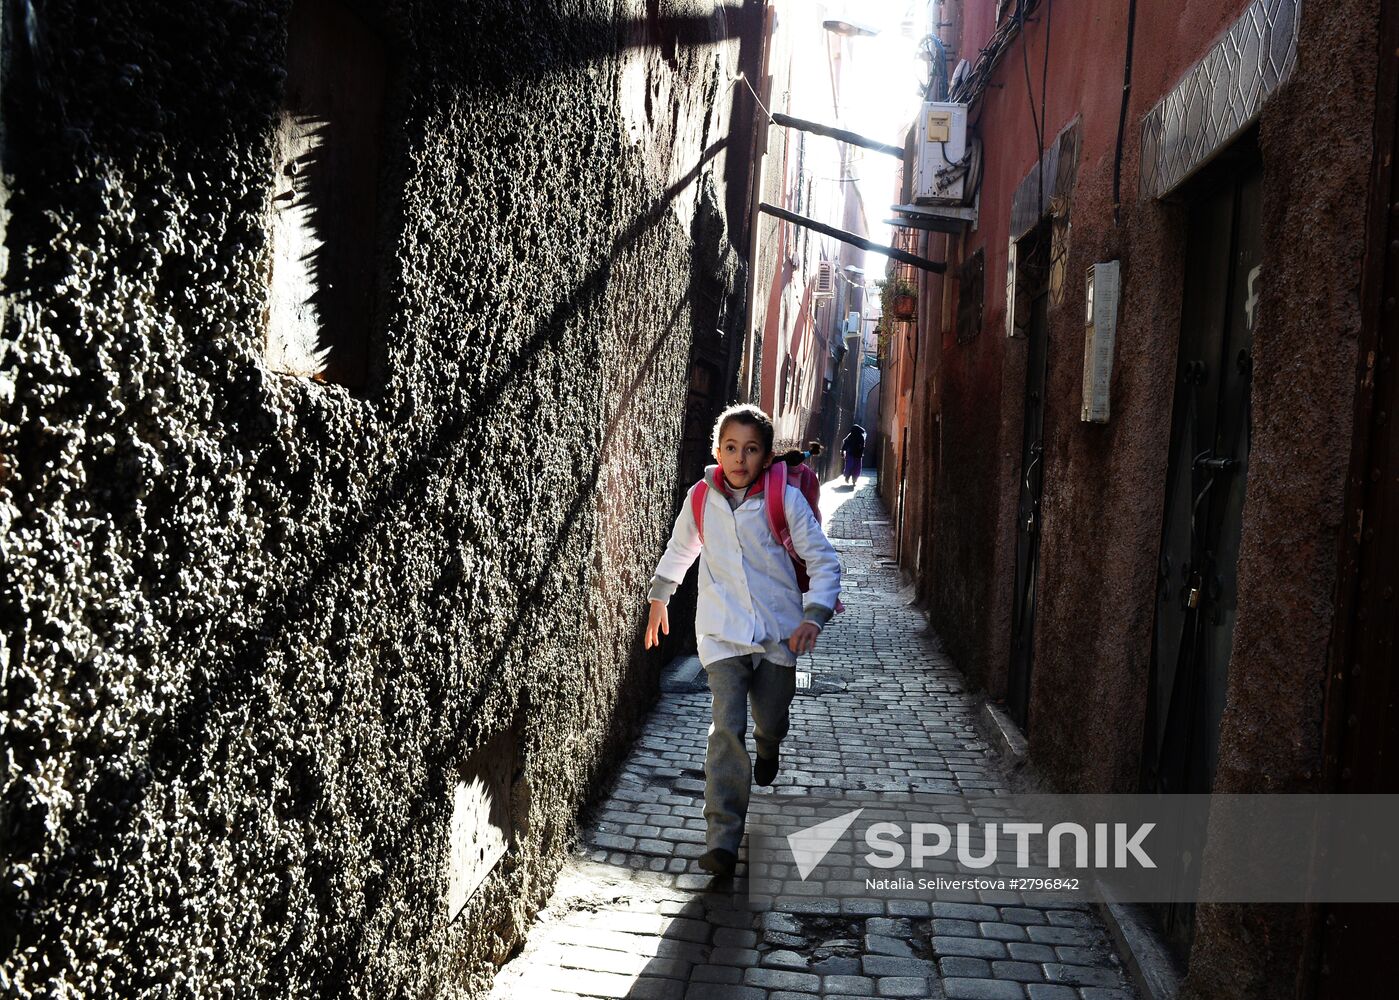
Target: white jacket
{"x": 748, "y": 594}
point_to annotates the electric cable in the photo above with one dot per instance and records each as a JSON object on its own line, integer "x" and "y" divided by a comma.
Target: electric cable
{"x": 744, "y": 77}
{"x": 1044, "y": 90}
{"x": 1122, "y": 113}
{"x": 1034, "y": 119}
{"x": 972, "y": 85}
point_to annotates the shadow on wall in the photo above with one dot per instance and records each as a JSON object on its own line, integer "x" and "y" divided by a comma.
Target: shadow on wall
{"x": 154, "y": 113}
{"x": 179, "y": 746}
{"x": 326, "y": 160}
{"x": 180, "y": 743}
{"x": 591, "y": 39}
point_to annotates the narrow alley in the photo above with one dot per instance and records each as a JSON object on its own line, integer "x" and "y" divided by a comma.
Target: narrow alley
{"x": 879, "y": 708}
{"x": 359, "y": 364}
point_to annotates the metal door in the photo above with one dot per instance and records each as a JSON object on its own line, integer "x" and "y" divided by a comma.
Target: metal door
{"x": 1197, "y": 572}
{"x": 1027, "y": 531}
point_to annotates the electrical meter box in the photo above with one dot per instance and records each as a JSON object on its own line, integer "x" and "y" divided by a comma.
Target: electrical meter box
{"x": 940, "y": 167}
{"x": 852, "y": 325}
{"x": 1100, "y": 335}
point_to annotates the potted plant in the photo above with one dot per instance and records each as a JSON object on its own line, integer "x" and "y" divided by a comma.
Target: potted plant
{"x": 899, "y": 298}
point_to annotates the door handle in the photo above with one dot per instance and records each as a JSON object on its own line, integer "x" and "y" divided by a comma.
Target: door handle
{"x": 1213, "y": 464}
{"x": 1036, "y": 450}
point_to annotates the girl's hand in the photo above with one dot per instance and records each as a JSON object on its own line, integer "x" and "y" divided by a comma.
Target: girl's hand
{"x": 657, "y": 621}
{"x": 804, "y": 638}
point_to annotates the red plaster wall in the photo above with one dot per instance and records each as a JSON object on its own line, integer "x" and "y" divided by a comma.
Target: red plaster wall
{"x": 978, "y": 416}
{"x": 1103, "y": 484}
{"x": 1317, "y": 139}
{"x": 917, "y": 539}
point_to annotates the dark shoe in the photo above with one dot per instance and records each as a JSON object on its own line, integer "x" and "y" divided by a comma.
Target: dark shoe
{"x": 718, "y": 861}
{"x": 764, "y": 770}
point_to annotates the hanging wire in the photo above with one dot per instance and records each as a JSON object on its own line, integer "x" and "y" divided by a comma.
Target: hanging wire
{"x": 1044, "y": 89}
{"x": 1034, "y": 118}
{"x": 971, "y": 87}
{"x": 937, "y": 86}
{"x": 1122, "y": 113}
{"x": 744, "y": 77}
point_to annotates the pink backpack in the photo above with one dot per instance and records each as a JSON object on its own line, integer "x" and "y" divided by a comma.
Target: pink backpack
{"x": 774, "y": 483}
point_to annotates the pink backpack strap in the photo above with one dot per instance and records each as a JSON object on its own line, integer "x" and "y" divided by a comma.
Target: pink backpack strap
{"x": 775, "y": 490}
{"x": 810, "y": 486}
{"x": 697, "y": 498}
{"x": 774, "y": 504}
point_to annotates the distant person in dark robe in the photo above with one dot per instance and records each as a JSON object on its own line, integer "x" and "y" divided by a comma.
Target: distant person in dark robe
{"x": 854, "y": 449}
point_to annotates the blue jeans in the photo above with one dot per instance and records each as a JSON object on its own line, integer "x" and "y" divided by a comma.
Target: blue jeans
{"x": 734, "y": 684}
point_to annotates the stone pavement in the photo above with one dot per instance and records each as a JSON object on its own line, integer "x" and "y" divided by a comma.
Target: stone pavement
{"x": 633, "y": 915}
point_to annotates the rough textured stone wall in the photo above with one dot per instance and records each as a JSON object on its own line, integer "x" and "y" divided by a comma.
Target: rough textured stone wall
{"x": 253, "y": 624}
{"x": 1317, "y": 137}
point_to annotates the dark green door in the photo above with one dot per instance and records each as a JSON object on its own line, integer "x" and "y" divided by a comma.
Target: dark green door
{"x": 1027, "y": 530}
{"x": 1196, "y": 599}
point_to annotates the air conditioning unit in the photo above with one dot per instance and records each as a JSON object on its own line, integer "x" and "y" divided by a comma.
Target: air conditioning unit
{"x": 942, "y": 164}
{"x": 852, "y": 326}
{"x": 826, "y": 279}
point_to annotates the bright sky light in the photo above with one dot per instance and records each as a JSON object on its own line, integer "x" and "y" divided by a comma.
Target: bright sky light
{"x": 882, "y": 91}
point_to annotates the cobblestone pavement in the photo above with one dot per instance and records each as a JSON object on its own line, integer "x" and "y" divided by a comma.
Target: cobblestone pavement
{"x": 634, "y": 916}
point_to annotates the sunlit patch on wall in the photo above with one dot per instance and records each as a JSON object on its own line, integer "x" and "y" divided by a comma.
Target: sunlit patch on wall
{"x": 325, "y": 172}
{"x": 481, "y": 828}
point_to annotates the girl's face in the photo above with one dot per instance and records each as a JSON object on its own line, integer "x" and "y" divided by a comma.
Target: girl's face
{"x": 741, "y": 454}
